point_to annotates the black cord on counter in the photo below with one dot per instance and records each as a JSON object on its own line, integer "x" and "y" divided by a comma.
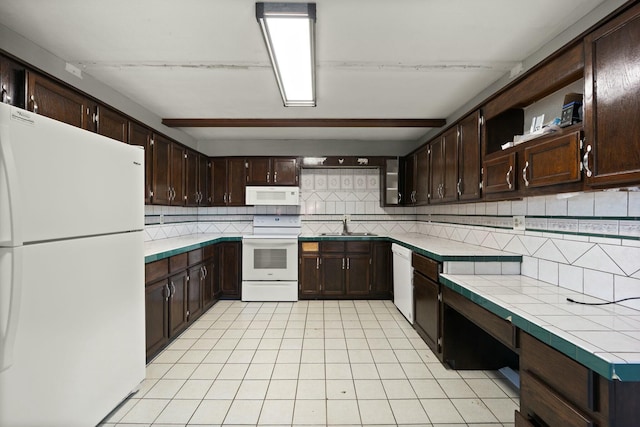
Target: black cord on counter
{"x": 601, "y": 303}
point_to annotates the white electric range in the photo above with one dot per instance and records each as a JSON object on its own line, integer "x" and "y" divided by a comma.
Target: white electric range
{"x": 270, "y": 259}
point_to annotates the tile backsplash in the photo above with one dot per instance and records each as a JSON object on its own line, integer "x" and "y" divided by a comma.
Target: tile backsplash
{"x": 587, "y": 242}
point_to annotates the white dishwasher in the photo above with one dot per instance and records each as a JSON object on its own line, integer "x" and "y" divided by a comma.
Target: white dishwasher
{"x": 403, "y": 281}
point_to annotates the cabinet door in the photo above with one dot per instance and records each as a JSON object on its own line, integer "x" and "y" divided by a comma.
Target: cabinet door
{"x": 409, "y": 195}
{"x": 500, "y": 174}
{"x": 612, "y": 96}
{"x": 191, "y": 178}
{"x": 156, "y": 316}
{"x": 468, "y": 185}
{"x": 333, "y": 268}
{"x": 141, "y": 136}
{"x": 209, "y": 294}
{"x": 421, "y": 195}
{"x": 218, "y": 186}
{"x": 177, "y": 303}
{"x": 258, "y": 171}
{"x": 204, "y": 170}
{"x": 178, "y": 157}
{"x": 444, "y": 167}
{"x": 285, "y": 171}
{"x": 382, "y": 267}
{"x": 194, "y": 291}
{"x": 229, "y": 268}
{"x": 236, "y": 173}
{"x": 111, "y": 124}
{"x": 426, "y": 309}
{"x": 556, "y": 161}
{"x": 309, "y": 275}
{"x": 358, "y": 274}
{"x": 12, "y": 82}
{"x": 161, "y": 169}
{"x": 58, "y": 102}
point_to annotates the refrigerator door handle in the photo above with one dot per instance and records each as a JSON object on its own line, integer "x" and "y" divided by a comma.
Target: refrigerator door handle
{"x": 10, "y": 295}
{"x": 11, "y": 232}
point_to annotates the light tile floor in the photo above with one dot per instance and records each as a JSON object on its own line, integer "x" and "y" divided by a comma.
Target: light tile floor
{"x": 310, "y": 363}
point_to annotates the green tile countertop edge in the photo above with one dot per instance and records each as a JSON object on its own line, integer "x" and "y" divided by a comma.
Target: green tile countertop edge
{"x": 610, "y": 370}
{"x": 183, "y": 249}
{"x": 428, "y": 254}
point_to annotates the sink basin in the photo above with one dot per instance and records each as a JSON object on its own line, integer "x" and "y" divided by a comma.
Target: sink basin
{"x": 349, "y": 234}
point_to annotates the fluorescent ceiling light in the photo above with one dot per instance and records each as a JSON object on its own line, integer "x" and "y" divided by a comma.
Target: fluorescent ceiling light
{"x": 288, "y": 30}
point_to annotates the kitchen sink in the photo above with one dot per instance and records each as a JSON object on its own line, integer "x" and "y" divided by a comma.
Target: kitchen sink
{"x": 349, "y": 234}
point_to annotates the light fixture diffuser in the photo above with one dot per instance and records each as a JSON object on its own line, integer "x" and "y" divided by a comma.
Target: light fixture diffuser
{"x": 288, "y": 30}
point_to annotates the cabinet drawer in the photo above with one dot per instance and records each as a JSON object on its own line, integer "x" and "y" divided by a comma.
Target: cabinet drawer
{"x": 194, "y": 256}
{"x": 426, "y": 266}
{"x": 178, "y": 262}
{"x": 209, "y": 251}
{"x": 542, "y": 402}
{"x": 497, "y": 327}
{"x": 568, "y": 377}
{"x": 310, "y": 247}
{"x": 358, "y": 247}
{"x": 156, "y": 270}
{"x": 332, "y": 246}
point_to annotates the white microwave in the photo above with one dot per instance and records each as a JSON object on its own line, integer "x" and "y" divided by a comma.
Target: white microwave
{"x": 283, "y": 195}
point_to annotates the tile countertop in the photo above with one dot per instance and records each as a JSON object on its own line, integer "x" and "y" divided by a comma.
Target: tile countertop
{"x": 604, "y": 338}
{"x": 165, "y": 248}
{"x": 432, "y": 247}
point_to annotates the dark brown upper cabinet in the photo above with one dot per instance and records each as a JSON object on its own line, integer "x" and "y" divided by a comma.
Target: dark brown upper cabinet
{"x": 56, "y": 101}
{"x": 272, "y": 171}
{"x": 196, "y": 179}
{"x": 228, "y": 176}
{"x": 444, "y": 167}
{"x": 110, "y": 123}
{"x": 468, "y": 184}
{"x": 12, "y": 82}
{"x": 168, "y": 172}
{"x": 612, "y": 102}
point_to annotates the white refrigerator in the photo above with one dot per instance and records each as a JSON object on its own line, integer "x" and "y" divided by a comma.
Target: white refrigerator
{"x": 72, "y": 338}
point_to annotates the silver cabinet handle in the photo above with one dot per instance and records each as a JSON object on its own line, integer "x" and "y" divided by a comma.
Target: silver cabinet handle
{"x": 275, "y": 177}
{"x": 225, "y": 198}
{"x": 585, "y": 161}
{"x": 206, "y": 272}
{"x": 509, "y": 176}
{"x": 268, "y": 177}
{"x": 317, "y": 263}
{"x": 166, "y": 286}
{"x": 348, "y": 263}
{"x": 229, "y": 198}
{"x": 399, "y": 197}
{"x": 169, "y": 190}
{"x": 458, "y": 187}
{"x": 524, "y": 174}
{"x": 343, "y": 263}
{"x": 173, "y": 289}
{"x": 35, "y": 105}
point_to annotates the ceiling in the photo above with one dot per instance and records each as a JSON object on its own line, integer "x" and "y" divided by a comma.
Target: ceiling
{"x": 409, "y": 59}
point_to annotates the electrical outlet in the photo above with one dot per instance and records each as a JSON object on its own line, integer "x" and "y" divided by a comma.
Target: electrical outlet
{"x": 347, "y": 217}
{"x": 518, "y": 222}
{"x": 161, "y": 218}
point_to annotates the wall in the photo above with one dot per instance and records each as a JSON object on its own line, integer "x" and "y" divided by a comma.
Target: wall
{"x": 586, "y": 242}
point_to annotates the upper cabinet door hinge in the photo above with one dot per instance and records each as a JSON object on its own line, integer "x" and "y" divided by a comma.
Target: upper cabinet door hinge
{"x": 96, "y": 118}
{"x": 481, "y": 121}
{"x": 151, "y": 142}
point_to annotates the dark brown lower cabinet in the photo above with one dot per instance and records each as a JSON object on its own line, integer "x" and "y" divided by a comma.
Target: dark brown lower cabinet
{"x": 156, "y": 316}
{"x": 178, "y": 314}
{"x": 344, "y": 269}
{"x": 427, "y": 304}
{"x": 229, "y": 268}
{"x": 180, "y": 288}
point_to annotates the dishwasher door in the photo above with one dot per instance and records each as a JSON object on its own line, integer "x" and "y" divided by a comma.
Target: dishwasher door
{"x": 403, "y": 281}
